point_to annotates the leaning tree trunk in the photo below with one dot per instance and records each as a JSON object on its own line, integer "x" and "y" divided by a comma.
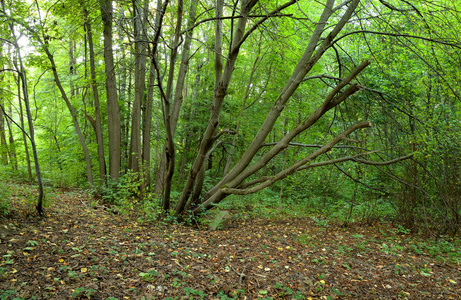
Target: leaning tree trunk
{"x": 242, "y": 170}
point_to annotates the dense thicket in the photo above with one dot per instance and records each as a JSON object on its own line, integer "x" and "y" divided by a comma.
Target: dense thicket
{"x": 349, "y": 107}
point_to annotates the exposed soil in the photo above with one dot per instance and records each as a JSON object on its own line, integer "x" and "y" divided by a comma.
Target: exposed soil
{"x": 78, "y": 252}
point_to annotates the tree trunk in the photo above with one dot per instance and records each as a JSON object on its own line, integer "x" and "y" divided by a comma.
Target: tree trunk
{"x": 24, "y": 136}
{"x": 72, "y": 67}
{"x": 113, "y": 111}
{"x": 97, "y": 111}
{"x": 147, "y": 123}
{"x": 222, "y": 80}
{"x": 4, "y": 146}
{"x": 139, "y": 16}
{"x": 166, "y": 104}
{"x": 12, "y": 152}
{"x": 312, "y": 54}
{"x": 22, "y": 75}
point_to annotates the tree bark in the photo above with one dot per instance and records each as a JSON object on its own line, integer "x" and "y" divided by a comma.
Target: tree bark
{"x": 4, "y": 146}
{"x": 24, "y": 136}
{"x": 147, "y": 124}
{"x": 139, "y": 23}
{"x": 113, "y": 110}
{"x": 97, "y": 110}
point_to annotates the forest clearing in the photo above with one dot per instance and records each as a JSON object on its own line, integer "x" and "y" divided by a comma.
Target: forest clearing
{"x": 81, "y": 252}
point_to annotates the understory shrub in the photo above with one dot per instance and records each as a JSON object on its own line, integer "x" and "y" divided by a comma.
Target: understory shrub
{"x": 5, "y": 199}
{"x": 123, "y": 193}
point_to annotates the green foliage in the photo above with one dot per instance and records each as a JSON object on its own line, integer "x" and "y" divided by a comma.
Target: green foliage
{"x": 83, "y": 292}
{"x": 11, "y": 294}
{"x": 149, "y": 276}
{"x": 5, "y": 200}
{"x": 194, "y": 292}
{"x": 123, "y": 193}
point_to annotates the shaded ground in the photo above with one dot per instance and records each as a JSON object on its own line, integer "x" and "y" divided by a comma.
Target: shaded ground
{"x": 78, "y": 252}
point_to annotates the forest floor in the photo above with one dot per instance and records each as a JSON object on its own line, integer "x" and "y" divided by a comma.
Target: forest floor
{"x": 80, "y": 252}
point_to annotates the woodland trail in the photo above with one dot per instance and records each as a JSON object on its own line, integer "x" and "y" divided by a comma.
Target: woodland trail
{"x": 79, "y": 252}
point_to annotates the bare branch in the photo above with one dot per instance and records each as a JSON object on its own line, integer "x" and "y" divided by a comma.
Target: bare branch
{"x": 316, "y": 146}
{"x": 19, "y": 126}
{"x": 383, "y": 163}
{"x": 452, "y": 44}
{"x": 320, "y": 77}
{"x": 233, "y": 18}
{"x": 295, "y": 167}
{"x": 392, "y": 7}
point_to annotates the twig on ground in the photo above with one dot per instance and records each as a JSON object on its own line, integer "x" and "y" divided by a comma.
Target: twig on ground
{"x": 176, "y": 261}
{"x": 242, "y": 274}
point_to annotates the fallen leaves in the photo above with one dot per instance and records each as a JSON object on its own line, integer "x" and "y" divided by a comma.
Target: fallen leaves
{"x": 82, "y": 252}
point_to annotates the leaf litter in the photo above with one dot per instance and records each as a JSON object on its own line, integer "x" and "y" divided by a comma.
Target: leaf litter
{"x": 79, "y": 252}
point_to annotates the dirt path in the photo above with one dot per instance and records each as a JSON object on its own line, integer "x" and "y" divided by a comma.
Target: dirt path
{"x": 77, "y": 252}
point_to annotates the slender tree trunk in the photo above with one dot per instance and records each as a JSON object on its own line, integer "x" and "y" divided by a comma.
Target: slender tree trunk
{"x": 125, "y": 121}
{"x": 147, "y": 124}
{"x": 97, "y": 111}
{"x": 4, "y": 146}
{"x": 12, "y": 148}
{"x": 24, "y": 137}
{"x": 113, "y": 111}
{"x": 22, "y": 74}
{"x": 72, "y": 66}
{"x": 166, "y": 103}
